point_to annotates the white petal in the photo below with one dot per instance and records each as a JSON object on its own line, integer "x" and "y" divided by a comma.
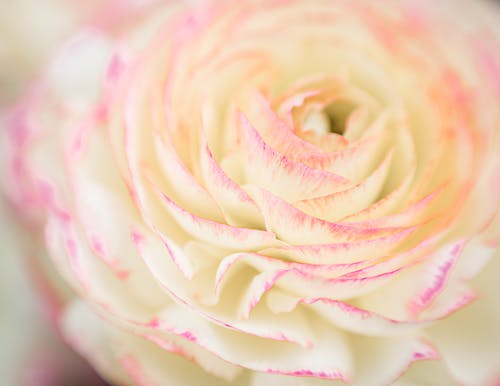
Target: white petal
{"x": 469, "y": 341}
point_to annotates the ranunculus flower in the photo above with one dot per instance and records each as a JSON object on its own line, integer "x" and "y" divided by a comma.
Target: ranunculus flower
{"x": 273, "y": 192}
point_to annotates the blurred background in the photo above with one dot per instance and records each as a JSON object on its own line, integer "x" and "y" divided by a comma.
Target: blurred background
{"x": 31, "y": 352}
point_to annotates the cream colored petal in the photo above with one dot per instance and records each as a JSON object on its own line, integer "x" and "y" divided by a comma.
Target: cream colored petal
{"x": 469, "y": 341}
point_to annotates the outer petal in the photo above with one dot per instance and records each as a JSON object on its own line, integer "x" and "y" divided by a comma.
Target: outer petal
{"x": 414, "y": 290}
{"x": 428, "y": 373}
{"x": 469, "y": 341}
{"x": 381, "y": 361}
{"x": 128, "y": 359}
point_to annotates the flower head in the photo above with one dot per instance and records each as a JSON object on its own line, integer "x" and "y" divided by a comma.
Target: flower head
{"x": 263, "y": 192}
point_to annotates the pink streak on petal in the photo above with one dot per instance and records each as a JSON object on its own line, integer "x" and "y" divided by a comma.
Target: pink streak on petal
{"x": 265, "y": 287}
{"x": 309, "y": 373}
{"x": 425, "y": 298}
{"x": 221, "y": 178}
{"x": 134, "y": 369}
{"x": 48, "y": 197}
{"x": 169, "y": 346}
{"x": 490, "y": 66}
{"x": 115, "y": 69}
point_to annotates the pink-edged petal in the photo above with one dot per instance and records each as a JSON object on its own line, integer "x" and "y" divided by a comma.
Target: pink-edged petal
{"x": 260, "y": 354}
{"x": 344, "y": 315}
{"x": 260, "y": 285}
{"x": 475, "y": 257}
{"x": 96, "y": 189}
{"x": 469, "y": 340}
{"x": 428, "y": 373}
{"x": 94, "y": 280}
{"x": 294, "y": 226}
{"x": 219, "y": 306}
{"x": 303, "y": 283}
{"x": 355, "y": 161}
{"x": 177, "y": 254}
{"x": 417, "y": 286}
{"x": 278, "y": 134}
{"x": 286, "y": 178}
{"x": 412, "y": 214}
{"x": 226, "y": 267}
{"x": 354, "y": 253}
{"x": 178, "y": 182}
{"x": 218, "y": 233}
{"x": 113, "y": 350}
{"x": 453, "y": 297}
{"x": 338, "y": 205}
{"x": 189, "y": 350}
{"x": 104, "y": 236}
{"x": 237, "y": 205}
{"x": 380, "y": 361}
{"x": 386, "y": 205}
{"x": 230, "y": 265}
{"x": 96, "y": 347}
{"x": 458, "y": 292}
{"x": 307, "y": 284}
{"x": 269, "y": 274}
{"x": 198, "y": 327}
{"x": 402, "y": 260}
{"x": 260, "y": 379}
{"x": 440, "y": 273}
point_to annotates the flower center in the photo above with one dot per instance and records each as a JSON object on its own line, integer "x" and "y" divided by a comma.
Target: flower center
{"x": 330, "y": 119}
